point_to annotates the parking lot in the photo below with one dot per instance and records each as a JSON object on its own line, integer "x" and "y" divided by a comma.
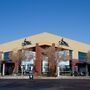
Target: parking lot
{"x": 44, "y": 84}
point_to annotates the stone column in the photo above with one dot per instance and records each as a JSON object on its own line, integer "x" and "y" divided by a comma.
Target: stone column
{"x": 52, "y": 62}
{"x": 38, "y": 61}
{"x": 86, "y": 69}
{"x": 73, "y": 65}
{"x": 58, "y": 71}
{"x": 3, "y": 71}
{"x": 74, "y": 61}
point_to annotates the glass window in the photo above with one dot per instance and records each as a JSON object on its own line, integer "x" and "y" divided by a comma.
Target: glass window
{"x": 64, "y": 55}
{"x": 7, "y": 56}
{"x": 82, "y": 56}
{"x": 45, "y": 64}
{"x": 28, "y": 65}
{"x": 70, "y": 53}
{"x": 64, "y": 66}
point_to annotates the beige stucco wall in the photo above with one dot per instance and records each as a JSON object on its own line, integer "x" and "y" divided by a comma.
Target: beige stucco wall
{"x": 47, "y": 39}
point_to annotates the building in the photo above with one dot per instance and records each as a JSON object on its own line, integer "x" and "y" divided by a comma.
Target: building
{"x": 44, "y": 54}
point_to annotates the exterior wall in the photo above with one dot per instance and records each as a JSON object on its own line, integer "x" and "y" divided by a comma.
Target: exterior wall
{"x": 50, "y": 52}
{"x": 75, "y": 54}
{"x": 1, "y": 56}
{"x": 46, "y": 39}
{"x": 52, "y": 63}
{"x": 38, "y": 60}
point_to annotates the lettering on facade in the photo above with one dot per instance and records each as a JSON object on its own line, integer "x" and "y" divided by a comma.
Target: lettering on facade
{"x": 62, "y": 42}
{"x": 26, "y": 42}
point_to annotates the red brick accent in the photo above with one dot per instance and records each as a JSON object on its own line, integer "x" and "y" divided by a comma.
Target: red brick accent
{"x": 74, "y": 62}
{"x": 38, "y": 60}
{"x": 50, "y": 52}
{"x": 52, "y": 62}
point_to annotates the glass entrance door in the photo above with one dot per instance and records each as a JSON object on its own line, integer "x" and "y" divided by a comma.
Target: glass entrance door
{"x": 64, "y": 67}
{"x": 26, "y": 67}
{"x": 28, "y": 62}
{"x": 45, "y": 65}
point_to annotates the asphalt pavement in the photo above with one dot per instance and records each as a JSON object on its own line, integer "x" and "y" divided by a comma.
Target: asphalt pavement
{"x": 44, "y": 84}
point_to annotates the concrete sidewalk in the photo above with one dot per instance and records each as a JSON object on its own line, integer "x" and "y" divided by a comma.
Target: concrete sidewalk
{"x": 65, "y": 77}
{"x": 40, "y": 77}
{"x": 14, "y": 77}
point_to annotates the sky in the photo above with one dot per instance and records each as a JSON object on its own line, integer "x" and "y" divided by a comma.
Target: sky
{"x": 67, "y": 18}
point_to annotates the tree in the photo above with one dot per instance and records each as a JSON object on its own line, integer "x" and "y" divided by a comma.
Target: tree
{"x": 54, "y": 57}
{"x": 16, "y": 57}
{"x": 49, "y": 52}
{"x": 61, "y": 55}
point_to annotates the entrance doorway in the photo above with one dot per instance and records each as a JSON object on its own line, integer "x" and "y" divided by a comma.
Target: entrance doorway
{"x": 9, "y": 67}
{"x": 26, "y": 67}
{"x": 64, "y": 68}
{"x": 82, "y": 70}
{"x": 89, "y": 69}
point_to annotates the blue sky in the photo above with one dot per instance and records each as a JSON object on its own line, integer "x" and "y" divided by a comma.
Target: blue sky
{"x": 22, "y": 18}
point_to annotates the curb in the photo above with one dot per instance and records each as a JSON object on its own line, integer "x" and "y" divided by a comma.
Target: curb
{"x": 27, "y": 77}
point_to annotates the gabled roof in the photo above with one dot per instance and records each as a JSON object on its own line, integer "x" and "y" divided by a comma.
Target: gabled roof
{"x": 44, "y": 39}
